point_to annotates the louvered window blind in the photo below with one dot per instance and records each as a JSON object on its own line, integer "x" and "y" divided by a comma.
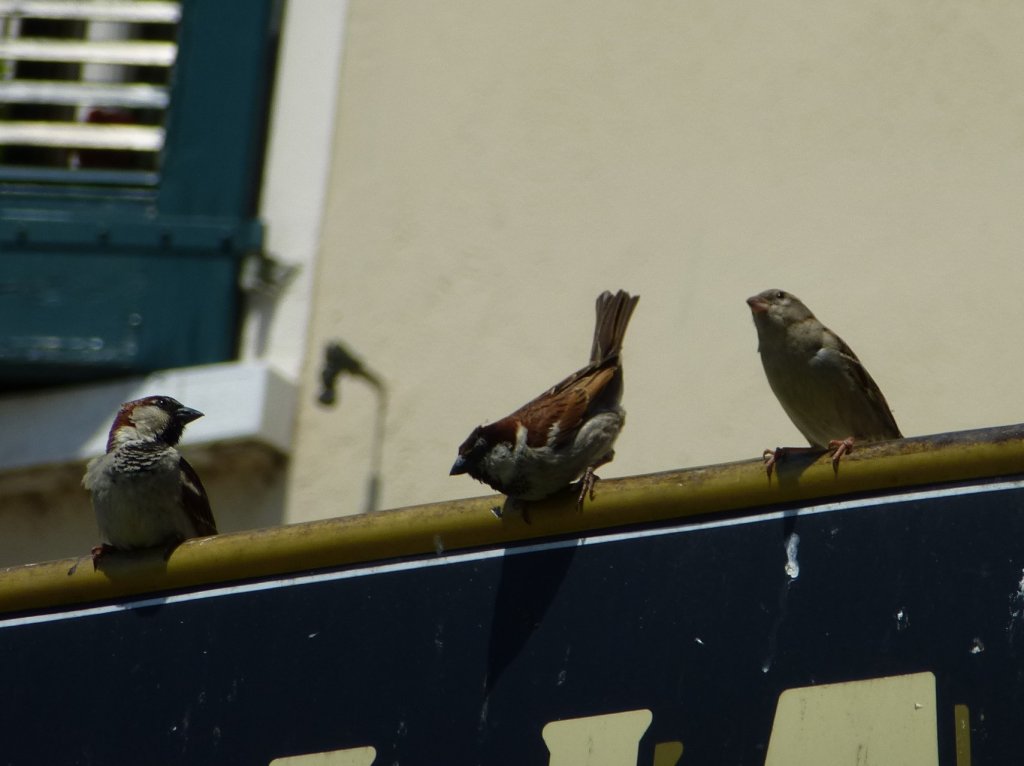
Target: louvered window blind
{"x": 84, "y": 87}
{"x": 131, "y": 144}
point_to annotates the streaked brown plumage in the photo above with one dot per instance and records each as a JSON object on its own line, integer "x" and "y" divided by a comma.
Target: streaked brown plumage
{"x": 818, "y": 380}
{"x": 567, "y": 431}
{"x": 144, "y": 493}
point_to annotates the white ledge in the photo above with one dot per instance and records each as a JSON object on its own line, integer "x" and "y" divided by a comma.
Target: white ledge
{"x": 242, "y": 401}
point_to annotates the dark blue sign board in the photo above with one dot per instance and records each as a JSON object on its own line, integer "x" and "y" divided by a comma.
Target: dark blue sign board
{"x": 890, "y": 627}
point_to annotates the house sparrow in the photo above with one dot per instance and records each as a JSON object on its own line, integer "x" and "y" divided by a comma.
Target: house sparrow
{"x": 564, "y": 433}
{"x": 144, "y": 493}
{"x": 817, "y": 379}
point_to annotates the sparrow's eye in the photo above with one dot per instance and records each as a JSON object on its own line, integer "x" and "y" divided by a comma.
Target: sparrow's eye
{"x": 780, "y": 295}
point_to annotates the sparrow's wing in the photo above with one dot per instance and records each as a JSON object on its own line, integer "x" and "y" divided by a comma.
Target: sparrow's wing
{"x": 195, "y": 501}
{"x": 866, "y": 383}
{"x": 564, "y": 407}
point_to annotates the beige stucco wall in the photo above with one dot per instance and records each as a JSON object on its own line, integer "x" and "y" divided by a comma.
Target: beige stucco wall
{"x": 496, "y": 165}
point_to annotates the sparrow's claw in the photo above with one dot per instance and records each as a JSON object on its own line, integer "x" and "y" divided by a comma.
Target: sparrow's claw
{"x": 511, "y": 507}
{"x": 99, "y": 552}
{"x": 587, "y": 484}
{"x": 79, "y": 560}
{"x": 590, "y": 479}
{"x": 841, "y": 447}
{"x": 773, "y": 457}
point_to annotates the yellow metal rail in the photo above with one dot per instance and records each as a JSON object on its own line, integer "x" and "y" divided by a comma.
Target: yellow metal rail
{"x": 461, "y": 524}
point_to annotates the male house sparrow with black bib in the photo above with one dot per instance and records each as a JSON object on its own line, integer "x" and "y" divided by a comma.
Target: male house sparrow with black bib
{"x": 144, "y": 493}
{"x": 566, "y": 432}
{"x": 818, "y": 380}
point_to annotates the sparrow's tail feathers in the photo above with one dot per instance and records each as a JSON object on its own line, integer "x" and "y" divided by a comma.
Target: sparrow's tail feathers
{"x": 613, "y": 313}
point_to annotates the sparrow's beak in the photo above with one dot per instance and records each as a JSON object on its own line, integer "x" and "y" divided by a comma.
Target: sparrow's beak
{"x": 187, "y": 414}
{"x": 758, "y": 305}
{"x": 459, "y": 467}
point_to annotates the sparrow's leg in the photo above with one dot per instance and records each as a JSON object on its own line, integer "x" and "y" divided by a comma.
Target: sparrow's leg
{"x": 841, "y": 447}
{"x": 512, "y": 505}
{"x": 99, "y": 552}
{"x": 772, "y": 457}
{"x": 587, "y": 484}
{"x": 590, "y": 479}
{"x": 79, "y": 560}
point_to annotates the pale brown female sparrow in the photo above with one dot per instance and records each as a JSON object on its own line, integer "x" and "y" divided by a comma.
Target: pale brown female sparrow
{"x": 818, "y": 380}
{"x": 566, "y": 432}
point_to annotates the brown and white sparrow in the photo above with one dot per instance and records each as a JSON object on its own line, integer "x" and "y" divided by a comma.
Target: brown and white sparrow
{"x": 144, "y": 493}
{"x": 818, "y": 380}
{"x": 566, "y": 432}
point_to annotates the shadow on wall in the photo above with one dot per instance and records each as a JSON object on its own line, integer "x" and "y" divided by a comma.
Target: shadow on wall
{"x": 338, "y": 361}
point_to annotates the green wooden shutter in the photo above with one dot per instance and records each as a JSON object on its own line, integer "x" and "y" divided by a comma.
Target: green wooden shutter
{"x": 129, "y": 178}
